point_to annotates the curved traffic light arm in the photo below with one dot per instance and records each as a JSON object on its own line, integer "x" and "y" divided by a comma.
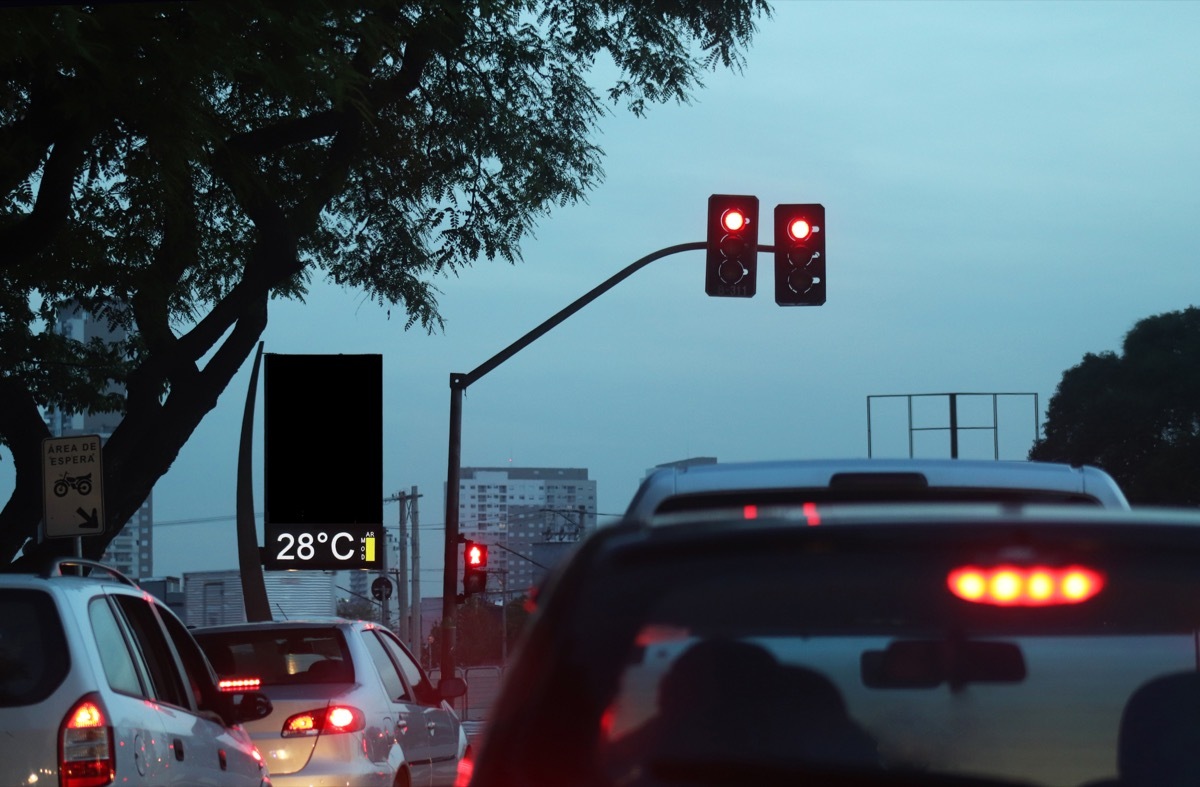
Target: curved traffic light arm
{"x": 458, "y": 384}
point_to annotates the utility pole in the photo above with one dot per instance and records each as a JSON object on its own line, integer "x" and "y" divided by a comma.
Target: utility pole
{"x": 414, "y": 620}
{"x": 408, "y": 611}
{"x": 402, "y": 574}
{"x": 383, "y": 572}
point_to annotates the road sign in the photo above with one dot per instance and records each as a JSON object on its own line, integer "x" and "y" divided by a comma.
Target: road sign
{"x": 72, "y": 489}
{"x": 381, "y": 588}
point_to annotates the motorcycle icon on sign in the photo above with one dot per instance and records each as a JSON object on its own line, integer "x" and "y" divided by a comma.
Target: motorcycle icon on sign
{"x": 81, "y": 484}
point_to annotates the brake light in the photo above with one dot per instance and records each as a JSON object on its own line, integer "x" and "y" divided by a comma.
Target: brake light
{"x": 466, "y": 766}
{"x": 530, "y": 603}
{"x": 87, "y": 757}
{"x": 657, "y": 634}
{"x": 239, "y": 684}
{"x": 1025, "y": 586}
{"x": 331, "y": 721}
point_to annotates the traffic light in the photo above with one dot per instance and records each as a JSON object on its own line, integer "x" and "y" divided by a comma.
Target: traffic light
{"x": 800, "y": 255}
{"x": 732, "y": 266}
{"x": 475, "y": 557}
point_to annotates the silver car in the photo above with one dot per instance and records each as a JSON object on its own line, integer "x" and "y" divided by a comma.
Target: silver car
{"x": 101, "y": 684}
{"x": 352, "y": 707}
{"x": 874, "y": 645}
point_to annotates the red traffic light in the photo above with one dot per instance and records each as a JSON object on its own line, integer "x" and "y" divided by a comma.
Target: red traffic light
{"x": 732, "y": 246}
{"x": 474, "y": 575}
{"x": 733, "y": 220}
{"x": 800, "y": 254}
{"x": 799, "y": 229}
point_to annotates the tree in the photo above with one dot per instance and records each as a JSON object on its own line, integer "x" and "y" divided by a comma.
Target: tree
{"x": 479, "y": 627}
{"x": 357, "y": 609}
{"x": 516, "y": 615}
{"x": 1136, "y": 415}
{"x": 172, "y": 167}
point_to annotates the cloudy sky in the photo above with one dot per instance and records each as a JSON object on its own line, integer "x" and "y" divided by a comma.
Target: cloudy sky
{"x": 1007, "y": 186}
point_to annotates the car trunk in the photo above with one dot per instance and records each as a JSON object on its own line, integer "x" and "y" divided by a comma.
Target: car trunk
{"x": 290, "y": 754}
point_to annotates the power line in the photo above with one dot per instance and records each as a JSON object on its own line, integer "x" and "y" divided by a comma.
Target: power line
{"x": 259, "y": 515}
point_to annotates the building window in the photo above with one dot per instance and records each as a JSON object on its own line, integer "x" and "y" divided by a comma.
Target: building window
{"x": 214, "y": 603}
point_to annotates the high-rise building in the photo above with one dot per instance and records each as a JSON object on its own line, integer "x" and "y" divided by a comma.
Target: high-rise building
{"x": 132, "y": 550}
{"x": 528, "y": 513}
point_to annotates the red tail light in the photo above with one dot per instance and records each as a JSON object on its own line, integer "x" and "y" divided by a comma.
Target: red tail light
{"x": 87, "y": 757}
{"x": 328, "y": 721}
{"x": 1025, "y": 586}
{"x": 466, "y": 766}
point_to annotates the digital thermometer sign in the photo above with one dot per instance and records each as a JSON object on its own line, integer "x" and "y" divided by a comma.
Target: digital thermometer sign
{"x": 322, "y": 547}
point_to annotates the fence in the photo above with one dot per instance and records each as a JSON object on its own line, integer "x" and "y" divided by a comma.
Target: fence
{"x": 483, "y": 684}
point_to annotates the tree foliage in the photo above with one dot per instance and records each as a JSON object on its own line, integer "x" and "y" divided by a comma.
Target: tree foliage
{"x": 170, "y": 167}
{"x": 1137, "y": 414}
{"x": 480, "y": 624}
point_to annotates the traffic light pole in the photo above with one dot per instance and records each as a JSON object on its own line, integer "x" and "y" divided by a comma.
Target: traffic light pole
{"x": 458, "y": 384}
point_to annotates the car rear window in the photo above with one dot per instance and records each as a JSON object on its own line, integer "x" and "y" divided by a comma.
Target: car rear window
{"x": 279, "y": 657}
{"x": 33, "y": 649}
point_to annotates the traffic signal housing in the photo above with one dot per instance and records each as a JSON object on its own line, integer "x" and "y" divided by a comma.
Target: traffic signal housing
{"x": 800, "y": 255}
{"x": 475, "y": 558}
{"x": 731, "y": 270}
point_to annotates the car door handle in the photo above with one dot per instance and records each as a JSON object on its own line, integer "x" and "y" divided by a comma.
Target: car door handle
{"x": 177, "y": 745}
{"x": 431, "y": 726}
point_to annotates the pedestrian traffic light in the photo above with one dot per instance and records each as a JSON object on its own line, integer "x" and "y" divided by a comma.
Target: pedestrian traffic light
{"x": 800, "y": 255}
{"x": 475, "y": 557}
{"x": 732, "y": 267}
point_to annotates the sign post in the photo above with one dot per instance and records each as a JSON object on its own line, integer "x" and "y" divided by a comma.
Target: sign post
{"x": 72, "y": 486}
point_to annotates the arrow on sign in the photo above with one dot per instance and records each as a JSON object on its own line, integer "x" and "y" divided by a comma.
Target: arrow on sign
{"x": 91, "y": 520}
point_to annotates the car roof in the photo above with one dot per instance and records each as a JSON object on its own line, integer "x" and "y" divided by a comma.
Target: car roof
{"x": 903, "y": 514}
{"x": 700, "y": 486}
{"x": 291, "y": 623}
{"x": 62, "y": 572}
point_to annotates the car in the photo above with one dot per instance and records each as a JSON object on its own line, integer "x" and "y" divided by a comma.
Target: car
{"x": 874, "y": 644}
{"x": 717, "y": 485}
{"x": 102, "y": 684}
{"x": 352, "y": 707}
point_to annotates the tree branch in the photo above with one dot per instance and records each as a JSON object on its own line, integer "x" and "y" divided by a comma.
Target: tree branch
{"x": 23, "y": 430}
{"x": 26, "y": 237}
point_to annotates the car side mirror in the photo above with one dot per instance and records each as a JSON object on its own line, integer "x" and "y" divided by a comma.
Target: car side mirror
{"x": 251, "y": 706}
{"x": 450, "y": 688}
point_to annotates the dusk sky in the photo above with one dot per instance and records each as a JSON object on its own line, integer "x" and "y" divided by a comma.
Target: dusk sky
{"x": 1007, "y": 187}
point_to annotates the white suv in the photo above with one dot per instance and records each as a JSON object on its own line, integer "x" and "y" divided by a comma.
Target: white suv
{"x": 101, "y": 684}
{"x": 701, "y": 487}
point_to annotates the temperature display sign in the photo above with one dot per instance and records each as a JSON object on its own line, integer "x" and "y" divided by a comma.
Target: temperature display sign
{"x": 323, "y": 547}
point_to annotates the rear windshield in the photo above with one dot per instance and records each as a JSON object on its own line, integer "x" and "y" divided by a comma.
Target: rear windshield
{"x": 279, "y": 657}
{"x": 33, "y": 650}
{"x": 848, "y": 648}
